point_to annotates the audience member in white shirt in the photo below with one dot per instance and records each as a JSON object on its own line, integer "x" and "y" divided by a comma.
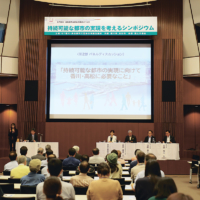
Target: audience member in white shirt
{"x": 44, "y": 170}
{"x": 96, "y": 159}
{"x": 13, "y": 162}
{"x": 44, "y": 162}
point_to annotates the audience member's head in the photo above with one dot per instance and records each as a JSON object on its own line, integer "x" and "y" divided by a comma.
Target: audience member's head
{"x": 112, "y": 132}
{"x": 179, "y": 196}
{"x": 95, "y": 151}
{"x": 129, "y": 133}
{"x": 49, "y": 152}
{"x": 119, "y": 153}
{"x": 150, "y": 156}
{"x": 21, "y": 160}
{"x": 35, "y": 165}
{"x": 150, "y": 133}
{"x": 52, "y": 188}
{"x": 72, "y": 152}
{"x": 85, "y": 158}
{"x": 84, "y": 167}
{"x": 165, "y": 187}
{"x": 33, "y": 131}
{"x": 167, "y": 133}
{"x": 112, "y": 162}
{"x": 103, "y": 170}
{"x": 140, "y": 157}
{"x": 12, "y": 155}
{"x": 48, "y": 147}
{"x": 137, "y": 151}
{"x": 152, "y": 168}
{"x": 55, "y": 167}
{"x": 50, "y": 157}
{"x": 23, "y": 150}
{"x": 76, "y": 148}
{"x": 40, "y": 150}
{"x": 114, "y": 151}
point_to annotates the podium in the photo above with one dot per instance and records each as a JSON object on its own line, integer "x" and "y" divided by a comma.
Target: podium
{"x": 33, "y": 147}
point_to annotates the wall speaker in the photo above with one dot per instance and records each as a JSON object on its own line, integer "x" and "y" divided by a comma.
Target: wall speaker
{"x": 31, "y": 90}
{"x": 168, "y": 91}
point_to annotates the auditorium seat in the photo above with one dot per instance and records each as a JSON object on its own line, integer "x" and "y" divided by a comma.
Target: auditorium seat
{"x": 6, "y": 173}
{"x": 65, "y": 172}
{"x": 7, "y": 187}
{"x": 69, "y": 168}
{"x": 14, "y": 180}
{"x": 121, "y": 180}
{"x": 80, "y": 190}
{"x": 24, "y": 189}
{"x": 12, "y": 198}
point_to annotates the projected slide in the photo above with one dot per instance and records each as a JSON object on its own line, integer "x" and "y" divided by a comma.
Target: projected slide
{"x": 100, "y": 81}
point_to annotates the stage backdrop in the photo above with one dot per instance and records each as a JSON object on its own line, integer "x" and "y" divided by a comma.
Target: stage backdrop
{"x": 168, "y": 57}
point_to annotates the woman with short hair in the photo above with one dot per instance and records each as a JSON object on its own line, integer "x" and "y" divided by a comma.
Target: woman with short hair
{"x": 179, "y": 196}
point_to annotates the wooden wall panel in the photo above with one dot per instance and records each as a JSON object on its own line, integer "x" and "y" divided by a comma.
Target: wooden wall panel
{"x": 167, "y": 66}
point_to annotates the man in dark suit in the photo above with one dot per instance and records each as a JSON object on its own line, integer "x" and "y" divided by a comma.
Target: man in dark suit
{"x": 150, "y": 138}
{"x": 130, "y": 137}
{"x": 32, "y": 137}
{"x": 168, "y": 138}
{"x": 39, "y": 155}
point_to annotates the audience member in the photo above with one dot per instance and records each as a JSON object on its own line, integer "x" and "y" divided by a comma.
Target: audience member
{"x": 164, "y": 188}
{"x": 44, "y": 162}
{"x": 77, "y": 156}
{"x": 52, "y": 188}
{"x": 23, "y": 152}
{"x": 104, "y": 188}
{"x": 116, "y": 169}
{"x": 120, "y": 160}
{"x": 145, "y": 186}
{"x": 32, "y": 179}
{"x": 13, "y": 162}
{"x": 96, "y": 159}
{"x": 179, "y": 196}
{"x": 91, "y": 167}
{"x": 47, "y": 147}
{"x": 21, "y": 170}
{"x": 82, "y": 180}
{"x": 55, "y": 169}
{"x": 148, "y": 157}
{"x": 39, "y": 155}
{"x": 134, "y": 160}
{"x": 44, "y": 170}
{"x": 140, "y": 166}
{"x": 71, "y": 162}
{"x": 116, "y": 152}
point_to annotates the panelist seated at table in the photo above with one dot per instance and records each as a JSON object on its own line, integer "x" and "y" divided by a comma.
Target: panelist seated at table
{"x": 168, "y": 138}
{"x": 112, "y": 137}
{"x": 32, "y": 137}
{"x": 150, "y": 138}
{"x": 130, "y": 137}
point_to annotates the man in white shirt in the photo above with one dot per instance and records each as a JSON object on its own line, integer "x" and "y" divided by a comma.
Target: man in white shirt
{"x": 13, "y": 162}
{"x": 44, "y": 170}
{"x": 96, "y": 159}
{"x": 149, "y": 156}
{"x": 44, "y": 162}
{"x": 55, "y": 169}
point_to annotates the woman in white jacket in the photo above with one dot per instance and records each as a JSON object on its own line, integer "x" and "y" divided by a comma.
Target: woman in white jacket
{"x": 112, "y": 137}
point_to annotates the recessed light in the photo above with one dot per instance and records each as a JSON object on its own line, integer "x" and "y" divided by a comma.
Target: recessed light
{"x": 196, "y": 106}
{"x": 7, "y": 105}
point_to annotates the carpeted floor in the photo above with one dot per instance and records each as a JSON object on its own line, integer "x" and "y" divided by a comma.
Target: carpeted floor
{"x": 183, "y": 185}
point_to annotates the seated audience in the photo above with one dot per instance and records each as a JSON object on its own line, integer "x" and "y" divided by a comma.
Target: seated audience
{"x": 71, "y": 162}
{"x": 52, "y": 188}
{"x": 47, "y": 147}
{"x": 32, "y": 179}
{"x": 23, "y": 152}
{"x": 55, "y": 169}
{"x": 164, "y": 188}
{"x": 120, "y": 160}
{"x": 21, "y": 170}
{"x": 134, "y": 162}
{"x": 13, "y": 162}
{"x": 179, "y": 196}
{"x": 44, "y": 162}
{"x": 148, "y": 157}
{"x": 39, "y": 155}
{"x": 77, "y": 156}
{"x": 140, "y": 165}
{"x": 96, "y": 159}
{"x": 104, "y": 188}
{"x": 116, "y": 152}
{"x": 115, "y": 168}
{"x": 91, "y": 167}
{"x": 44, "y": 170}
{"x": 145, "y": 186}
{"x": 82, "y": 180}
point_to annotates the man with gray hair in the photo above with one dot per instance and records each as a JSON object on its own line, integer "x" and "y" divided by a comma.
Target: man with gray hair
{"x": 77, "y": 156}
{"x": 47, "y": 148}
{"x": 21, "y": 170}
{"x": 32, "y": 179}
{"x": 130, "y": 137}
{"x": 39, "y": 155}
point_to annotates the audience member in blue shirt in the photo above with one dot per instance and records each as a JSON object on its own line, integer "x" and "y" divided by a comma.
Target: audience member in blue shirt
{"x": 32, "y": 179}
{"x": 71, "y": 162}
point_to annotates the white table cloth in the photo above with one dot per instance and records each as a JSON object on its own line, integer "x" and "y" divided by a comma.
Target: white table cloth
{"x": 33, "y": 147}
{"x": 162, "y": 151}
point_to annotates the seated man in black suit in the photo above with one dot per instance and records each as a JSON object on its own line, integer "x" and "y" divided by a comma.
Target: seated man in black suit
{"x": 32, "y": 137}
{"x": 150, "y": 138}
{"x": 130, "y": 137}
{"x": 168, "y": 138}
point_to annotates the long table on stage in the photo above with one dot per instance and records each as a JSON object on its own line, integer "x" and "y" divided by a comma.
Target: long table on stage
{"x": 162, "y": 151}
{"x": 33, "y": 147}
